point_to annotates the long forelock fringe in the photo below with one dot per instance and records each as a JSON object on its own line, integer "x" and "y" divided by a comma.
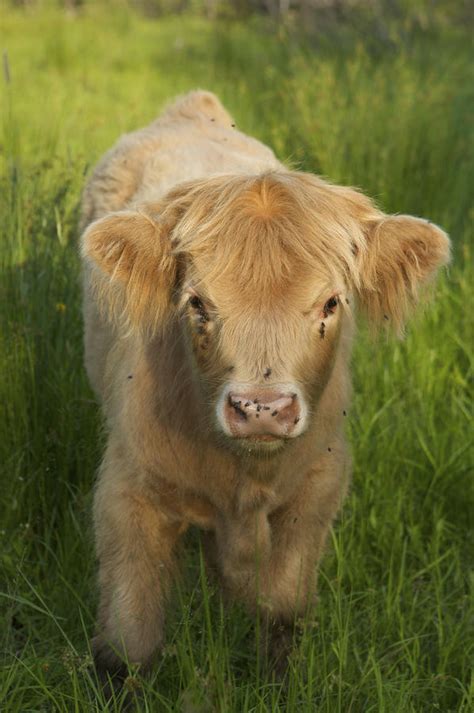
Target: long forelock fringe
{"x": 255, "y": 230}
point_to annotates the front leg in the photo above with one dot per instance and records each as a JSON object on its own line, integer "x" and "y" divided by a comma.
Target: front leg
{"x": 300, "y": 529}
{"x": 136, "y": 549}
{"x": 270, "y": 561}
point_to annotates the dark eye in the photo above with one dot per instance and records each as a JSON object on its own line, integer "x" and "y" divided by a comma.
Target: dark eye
{"x": 195, "y": 302}
{"x": 330, "y": 306}
{"x": 198, "y": 305}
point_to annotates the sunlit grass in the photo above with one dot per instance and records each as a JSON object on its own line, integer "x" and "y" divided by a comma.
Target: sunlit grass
{"x": 392, "y": 629}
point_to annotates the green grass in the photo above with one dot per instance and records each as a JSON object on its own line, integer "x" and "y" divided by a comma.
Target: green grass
{"x": 394, "y": 627}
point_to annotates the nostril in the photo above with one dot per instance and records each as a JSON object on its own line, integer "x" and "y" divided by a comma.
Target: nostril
{"x": 237, "y": 408}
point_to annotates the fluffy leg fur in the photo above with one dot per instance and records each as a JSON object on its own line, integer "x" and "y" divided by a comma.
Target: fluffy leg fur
{"x": 270, "y": 561}
{"x": 136, "y": 549}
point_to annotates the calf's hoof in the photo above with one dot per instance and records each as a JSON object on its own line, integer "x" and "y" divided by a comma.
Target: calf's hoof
{"x": 278, "y": 644}
{"x": 111, "y": 671}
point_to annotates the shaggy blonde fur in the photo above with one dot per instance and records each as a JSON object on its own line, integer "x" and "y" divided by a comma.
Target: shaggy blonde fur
{"x": 208, "y": 266}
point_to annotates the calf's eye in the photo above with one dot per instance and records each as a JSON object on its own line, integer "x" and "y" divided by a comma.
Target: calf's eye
{"x": 330, "y": 306}
{"x": 199, "y": 309}
{"x": 195, "y": 302}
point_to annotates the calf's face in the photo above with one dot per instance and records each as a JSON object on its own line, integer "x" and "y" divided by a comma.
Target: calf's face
{"x": 263, "y": 273}
{"x": 264, "y": 347}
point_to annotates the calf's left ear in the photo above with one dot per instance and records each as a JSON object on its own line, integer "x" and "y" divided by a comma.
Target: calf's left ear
{"x": 402, "y": 255}
{"x": 132, "y": 267}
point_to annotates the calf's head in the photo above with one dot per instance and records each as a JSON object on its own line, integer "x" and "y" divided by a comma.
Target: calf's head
{"x": 264, "y": 273}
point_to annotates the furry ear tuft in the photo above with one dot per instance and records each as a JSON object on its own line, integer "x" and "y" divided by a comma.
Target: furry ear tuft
{"x": 133, "y": 271}
{"x": 403, "y": 254}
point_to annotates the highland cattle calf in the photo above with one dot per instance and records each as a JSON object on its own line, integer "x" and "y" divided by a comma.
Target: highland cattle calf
{"x": 220, "y": 290}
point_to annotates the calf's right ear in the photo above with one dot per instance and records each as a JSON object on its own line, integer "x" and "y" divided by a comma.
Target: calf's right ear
{"x": 133, "y": 269}
{"x": 402, "y": 255}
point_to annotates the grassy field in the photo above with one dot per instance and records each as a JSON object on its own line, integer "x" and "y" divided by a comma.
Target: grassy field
{"x": 394, "y": 627}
